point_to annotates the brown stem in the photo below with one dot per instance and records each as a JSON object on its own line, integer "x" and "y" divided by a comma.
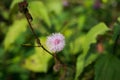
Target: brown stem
{"x": 37, "y": 39}
{"x": 23, "y": 8}
{"x": 58, "y": 65}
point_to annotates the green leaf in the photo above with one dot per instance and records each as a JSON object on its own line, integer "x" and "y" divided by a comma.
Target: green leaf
{"x": 91, "y": 58}
{"x": 14, "y": 8}
{"x": 116, "y": 30}
{"x": 15, "y": 68}
{"x": 118, "y": 18}
{"x": 14, "y": 2}
{"x": 54, "y": 6}
{"x": 105, "y": 1}
{"x": 90, "y": 38}
{"x": 107, "y": 68}
{"x": 15, "y": 30}
{"x": 81, "y": 21}
{"x": 88, "y": 3}
{"x": 83, "y": 63}
{"x": 79, "y": 66}
{"x": 99, "y": 29}
{"x": 39, "y": 61}
{"x": 75, "y": 46}
{"x": 38, "y": 10}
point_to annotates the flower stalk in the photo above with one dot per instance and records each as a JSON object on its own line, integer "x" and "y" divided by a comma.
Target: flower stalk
{"x": 23, "y": 8}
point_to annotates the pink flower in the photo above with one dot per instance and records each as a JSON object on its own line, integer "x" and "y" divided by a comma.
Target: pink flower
{"x": 55, "y": 42}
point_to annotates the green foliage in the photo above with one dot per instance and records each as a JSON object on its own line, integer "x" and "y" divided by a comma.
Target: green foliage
{"x": 80, "y": 21}
{"x": 76, "y": 45}
{"x": 90, "y": 38}
{"x": 107, "y": 68}
{"x": 14, "y": 2}
{"x": 116, "y": 31}
{"x": 40, "y": 11}
{"x": 54, "y": 6}
{"x": 39, "y": 61}
{"x": 15, "y": 30}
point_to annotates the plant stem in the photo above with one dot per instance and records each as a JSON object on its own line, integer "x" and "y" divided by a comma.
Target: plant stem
{"x": 23, "y": 8}
{"x": 37, "y": 39}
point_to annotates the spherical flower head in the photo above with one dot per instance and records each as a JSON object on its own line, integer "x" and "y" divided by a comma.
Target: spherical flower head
{"x": 55, "y": 42}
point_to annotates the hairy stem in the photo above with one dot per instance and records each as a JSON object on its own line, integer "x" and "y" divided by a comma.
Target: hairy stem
{"x": 37, "y": 39}
{"x": 23, "y": 8}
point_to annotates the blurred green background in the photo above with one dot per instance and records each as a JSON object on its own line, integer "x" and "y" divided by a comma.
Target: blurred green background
{"x": 91, "y": 29}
